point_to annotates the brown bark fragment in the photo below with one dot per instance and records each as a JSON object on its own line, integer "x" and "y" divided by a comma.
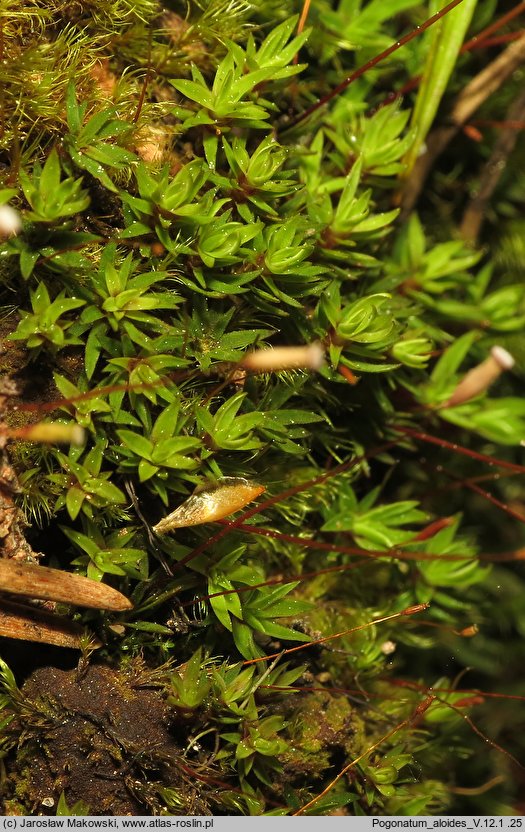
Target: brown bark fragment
{"x": 35, "y": 624}
{"x": 56, "y": 585}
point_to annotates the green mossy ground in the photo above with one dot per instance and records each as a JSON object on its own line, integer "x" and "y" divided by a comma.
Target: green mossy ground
{"x": 175, "y": 216}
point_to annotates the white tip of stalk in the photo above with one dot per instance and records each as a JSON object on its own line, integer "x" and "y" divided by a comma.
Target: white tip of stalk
{"x": 10, "y": 222}
{"x": 503, "y": 358}
{"x": 479, "y": 379}
{"x": 78, "y": 435}
{"x": 309, "y": 357}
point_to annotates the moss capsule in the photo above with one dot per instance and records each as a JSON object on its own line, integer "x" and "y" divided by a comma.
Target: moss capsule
{"x": 213, "y": 502}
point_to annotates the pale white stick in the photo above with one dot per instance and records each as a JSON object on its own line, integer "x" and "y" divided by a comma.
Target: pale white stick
{"x": 309, "y": 357}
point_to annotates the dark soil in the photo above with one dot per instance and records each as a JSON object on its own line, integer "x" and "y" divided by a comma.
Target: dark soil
{"x": 102, "y": 739}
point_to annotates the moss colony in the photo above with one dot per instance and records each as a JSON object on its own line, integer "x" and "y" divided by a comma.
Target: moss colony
{"x": 185, "y": 203}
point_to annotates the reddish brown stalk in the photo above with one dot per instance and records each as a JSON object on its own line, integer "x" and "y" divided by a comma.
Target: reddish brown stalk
{"x": 406, "y": 723}
{"x": 49, "y": 407}
{"x": 223, "y": 785}
{"x": 432, "y": 529}
{"x": 304, "y": 16}
{"x": 302, "y": 21}
{"x": 348, "y": 374}
{"x": 142, "y": 96}
{"x": 405, "y": 683}
{"x": 477, "y": 790}
{"x": 321, "y": 689}
{"x": 470, "y": 694}
{"x": 479, "y": 41}
{"x": 311, "y": 352}
{"x": 310, "y": 543}
{"x": 470, "y": 701}
{"x": 473, "y": 697}
{"x": 507, "y": 125}
{"x": 368, "y": 558}
{"x": 406, "y": 612}
{"x": 501, "y": 21}
{"x": 472, "y": 133}
{"x": 373, "y": 62}
{"x": 466, "y": 632}
{"x": 499, "y": 40}
{"x": 492, "y": 477}
{"x": 494, "y": 500}
{"x": 453, "y": 446}
{"x": 480, "y": 733}
{"x": 276, "y": 581}
{"x": 504, "y": 557}
{"x": 58, "y": 252}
